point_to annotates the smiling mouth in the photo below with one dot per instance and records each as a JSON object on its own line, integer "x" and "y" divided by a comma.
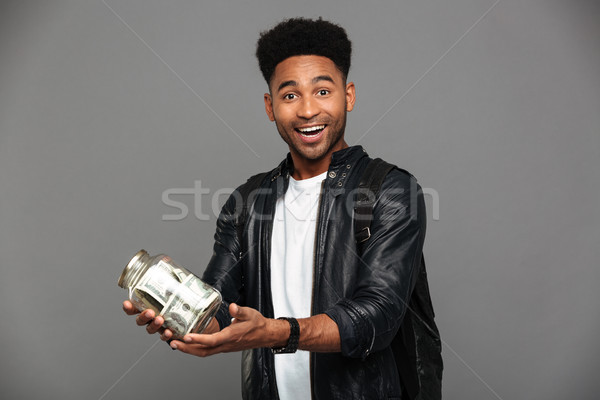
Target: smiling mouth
{"x": 311, "y": 130}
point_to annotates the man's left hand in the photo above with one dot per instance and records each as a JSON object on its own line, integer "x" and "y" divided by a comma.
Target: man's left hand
{"x": 249, "y": 329}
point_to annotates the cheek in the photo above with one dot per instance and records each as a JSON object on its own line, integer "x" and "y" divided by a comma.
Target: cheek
{"x": 338, "y": 111}
{"x": 337, "y": 106}
{"x": 283, "y": 114}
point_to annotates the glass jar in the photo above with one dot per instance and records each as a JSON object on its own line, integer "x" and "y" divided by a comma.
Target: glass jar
{"x": 185, "y": 302}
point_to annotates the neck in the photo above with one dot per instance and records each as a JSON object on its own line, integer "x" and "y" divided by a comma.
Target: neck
{"x": 305, "y": 168}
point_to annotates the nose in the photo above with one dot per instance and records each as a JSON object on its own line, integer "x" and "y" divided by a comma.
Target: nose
{"x": 307, "y": 108}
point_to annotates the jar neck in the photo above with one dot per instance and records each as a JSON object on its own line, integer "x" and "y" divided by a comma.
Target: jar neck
{"x": 134, "y": 269}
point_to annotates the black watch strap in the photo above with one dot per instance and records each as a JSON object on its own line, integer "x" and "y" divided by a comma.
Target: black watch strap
{"x": 292, "y": 344}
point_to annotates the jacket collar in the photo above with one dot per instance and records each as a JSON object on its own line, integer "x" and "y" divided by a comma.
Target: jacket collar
{"x": 349, "y": 155}
{"x": 343, "y": 163}
{"x": 341, "y": 158}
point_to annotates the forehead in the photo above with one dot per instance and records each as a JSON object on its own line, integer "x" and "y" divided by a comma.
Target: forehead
{"x": 303, "y": 69}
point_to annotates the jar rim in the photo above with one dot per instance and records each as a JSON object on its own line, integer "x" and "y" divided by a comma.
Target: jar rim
{"x": 130, "y": 264}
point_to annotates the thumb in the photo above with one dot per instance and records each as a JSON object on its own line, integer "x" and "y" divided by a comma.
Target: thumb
{"x": 237, "y": 312}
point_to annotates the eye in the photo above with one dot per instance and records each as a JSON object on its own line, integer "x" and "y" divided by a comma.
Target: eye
{"x": 323, "y": 92}
{"x": 289, "y": 96}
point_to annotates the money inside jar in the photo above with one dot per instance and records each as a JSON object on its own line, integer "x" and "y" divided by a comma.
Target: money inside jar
{"x": 185, "y": 302}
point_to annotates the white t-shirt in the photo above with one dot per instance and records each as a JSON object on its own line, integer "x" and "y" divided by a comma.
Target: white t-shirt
{"x": 292, "y": 260}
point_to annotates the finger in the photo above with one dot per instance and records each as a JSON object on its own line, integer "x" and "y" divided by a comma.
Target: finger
{"x": 177, "y": 344}
{"x": 166, "y": 335}
{"x": 129, "y": 308}
{"x": 196, "y": 350}
{"x": 215, "y": 339}
{"x": 145, "y": 317}
{"x": 155, "y": 325}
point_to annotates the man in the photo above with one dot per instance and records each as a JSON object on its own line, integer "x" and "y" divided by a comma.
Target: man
{"x": 343, "y": 301}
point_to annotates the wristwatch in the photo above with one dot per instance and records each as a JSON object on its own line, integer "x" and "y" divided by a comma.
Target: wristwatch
{"x": 292, "y": 344}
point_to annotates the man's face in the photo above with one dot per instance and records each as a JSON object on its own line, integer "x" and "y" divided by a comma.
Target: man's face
{"x": 308, "y": 102}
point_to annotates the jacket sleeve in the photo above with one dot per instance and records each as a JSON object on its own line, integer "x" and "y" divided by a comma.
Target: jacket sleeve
{"x": 224, "y": 271}
{"x": 387, "y": 269}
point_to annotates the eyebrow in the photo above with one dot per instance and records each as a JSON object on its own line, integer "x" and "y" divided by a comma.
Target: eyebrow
{"x": 322, "y": 78}
{"x": 314, "y": 80}
{"x": 287, "y": 83}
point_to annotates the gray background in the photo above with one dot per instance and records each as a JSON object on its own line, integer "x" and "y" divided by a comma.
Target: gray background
{"x": 501, "y": 118}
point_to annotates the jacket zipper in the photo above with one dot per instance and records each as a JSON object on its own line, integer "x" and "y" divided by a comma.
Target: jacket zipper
{"x": 312, "y": 297}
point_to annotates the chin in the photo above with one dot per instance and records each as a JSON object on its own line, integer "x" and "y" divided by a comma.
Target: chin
{"x": 312, "y": 154}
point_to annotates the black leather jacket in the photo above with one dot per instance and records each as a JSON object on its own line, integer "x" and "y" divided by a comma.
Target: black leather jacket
{"x": 364, "y": 290}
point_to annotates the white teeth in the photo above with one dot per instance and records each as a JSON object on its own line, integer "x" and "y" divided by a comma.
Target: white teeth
{"x": 312, "y": 128}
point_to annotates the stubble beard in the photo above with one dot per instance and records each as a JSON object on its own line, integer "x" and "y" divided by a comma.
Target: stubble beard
{"x": 313, "y": 153}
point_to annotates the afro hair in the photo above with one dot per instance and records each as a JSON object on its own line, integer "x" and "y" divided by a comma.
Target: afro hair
{"x": 302, "y": 36}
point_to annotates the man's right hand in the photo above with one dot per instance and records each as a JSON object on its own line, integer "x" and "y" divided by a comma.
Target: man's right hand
{"x": 148, "y": 318}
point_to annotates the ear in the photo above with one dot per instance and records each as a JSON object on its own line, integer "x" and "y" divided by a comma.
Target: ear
{"x": 350, "y": 96}
{"x": 269, "y": 106}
